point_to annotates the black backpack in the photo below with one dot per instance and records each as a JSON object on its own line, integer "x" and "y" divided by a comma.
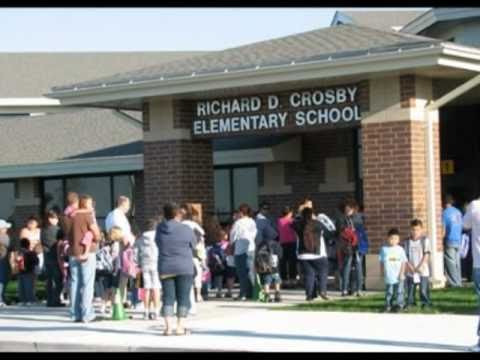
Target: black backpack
{"x": 215, "y": 262}
{"x": 264, "y": 259}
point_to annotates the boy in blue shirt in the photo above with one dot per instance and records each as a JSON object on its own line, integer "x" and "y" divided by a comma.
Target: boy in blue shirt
{"x": 452, "y": 225}
{"x": 392, "y": 265}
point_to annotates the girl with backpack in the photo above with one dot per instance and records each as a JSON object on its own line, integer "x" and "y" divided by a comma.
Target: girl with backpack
{"x": 312, "y": 253}
{"x": 104, "y": 274}
{"x": 217, "y": 262}
{"x": 348, "y": 247}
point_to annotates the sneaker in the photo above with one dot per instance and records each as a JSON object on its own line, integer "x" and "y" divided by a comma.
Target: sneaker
{"x": 218, "y": 295}
{"x": 238, "y": 298}
{"x": 153, "y": 316}
{"x": 387, "y": 309}
{"x": 228, "y": 295}
{"x": 2, "y": 304}
{"x": 146, "y": 316}
{"x": 324, "y": 296}
{"x": 344, "y": 293}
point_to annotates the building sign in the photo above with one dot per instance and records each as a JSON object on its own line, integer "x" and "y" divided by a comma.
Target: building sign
{"x": 448, "y": 167}
{"x": 291, "y": 111}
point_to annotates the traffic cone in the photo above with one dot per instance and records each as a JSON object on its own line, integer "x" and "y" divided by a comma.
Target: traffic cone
{"x": 118, "y": 312}
{"x": 258, "y": 294}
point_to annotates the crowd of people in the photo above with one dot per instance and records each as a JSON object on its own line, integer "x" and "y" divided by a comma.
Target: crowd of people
{"x": 171, "y": 265}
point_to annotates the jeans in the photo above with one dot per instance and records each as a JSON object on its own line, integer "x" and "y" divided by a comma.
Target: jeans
{"x": 394, "y": 294}
{"x": 288, "y": 264}
{"x": 176, "y": 289}
{"x": 242, "y": 268}
{"x": 54, "y": 282}
{"x": 476, "y": 282}
{"x": 218, "y": 282}
{"x": 4, "y": 269}
{"x": 316, "y": 276}
{"x": 424, "y": 290}
{"x": 453, "y": 269}
{"x": 26, "y": 291}
{"x": 81, "y": 288}
{"x": 347, "y": 270}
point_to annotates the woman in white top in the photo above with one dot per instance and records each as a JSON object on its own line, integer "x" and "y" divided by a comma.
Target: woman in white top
{"x": 242, "y": 236}
{"x": 312, "y": 254}
{"x": 31, "y": 231}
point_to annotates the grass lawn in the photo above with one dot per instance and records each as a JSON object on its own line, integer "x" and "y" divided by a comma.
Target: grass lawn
{"x": 11, "y": 294}
{"x": 461, "y": 301}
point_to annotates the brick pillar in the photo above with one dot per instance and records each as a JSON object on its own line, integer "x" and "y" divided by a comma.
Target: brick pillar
{"x": 180, "y": 171}
{"x": 139, "y": 201}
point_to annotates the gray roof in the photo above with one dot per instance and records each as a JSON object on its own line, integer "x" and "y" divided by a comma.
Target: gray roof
{"x": 382, "y": 20}
{"x": 32, "y": 74}
{"x": 336, "y": 42}
{"x": 73, "y": 135}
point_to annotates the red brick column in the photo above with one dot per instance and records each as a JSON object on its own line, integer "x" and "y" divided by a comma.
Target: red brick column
{"x": 180, "y": 171}
{"x": 394, "y": 173}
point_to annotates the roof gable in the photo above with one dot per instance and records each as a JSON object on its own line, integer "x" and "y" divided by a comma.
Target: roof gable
{"x": 381, "y": 20}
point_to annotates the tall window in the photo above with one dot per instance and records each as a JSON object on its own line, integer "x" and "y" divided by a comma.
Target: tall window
{"x": 7, "y": 196}
{"x": 104, "y": 189}
{"x": 234, "y": 186}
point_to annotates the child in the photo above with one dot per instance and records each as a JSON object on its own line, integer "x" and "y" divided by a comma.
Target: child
{"x": 26, "y": 261}
{"x": 4, "y": 249}
{"x": 417, "y": 249}
{"x": 126, "y": 267}
{"x": 147, "y": 258}
{"x": 392, "y": 266}
{"x": 104, "y": 274}
{"x": 217, "y": 261}
{"x": 267, "y": 259}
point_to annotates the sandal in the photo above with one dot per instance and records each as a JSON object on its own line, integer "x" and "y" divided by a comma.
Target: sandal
{"x": 185, "y": 332}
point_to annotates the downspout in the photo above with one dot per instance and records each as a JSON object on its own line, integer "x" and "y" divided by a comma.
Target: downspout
{"x": 429, "y": 114}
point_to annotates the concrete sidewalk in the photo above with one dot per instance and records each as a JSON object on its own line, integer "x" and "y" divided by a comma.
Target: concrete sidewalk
{"x": 233, "y": 326}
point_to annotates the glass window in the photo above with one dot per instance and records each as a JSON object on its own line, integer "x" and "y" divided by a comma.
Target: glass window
{"x": 53, "y": 195}
{"x": 7, "y": 205}
{"x": 222, "y": 191}
{"x": 123, "y": 185}
{"x": 97, "y": 187}
{"x": 245, "y": 187}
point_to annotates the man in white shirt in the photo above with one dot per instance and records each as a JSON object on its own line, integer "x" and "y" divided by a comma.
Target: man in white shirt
{"x": 471, "y": 220}
{"x": 118, "y": 217}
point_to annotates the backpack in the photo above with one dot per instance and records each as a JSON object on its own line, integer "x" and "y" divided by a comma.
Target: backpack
{"x": 215, "y": 262}
{"x": 20, "y": 262}
{"x": 128, "y": 266}
{"x": 362, "y": 240}
{"x": 264, "y": 262}
{"x": 311, "y": 240}
{"x": 349, "y": 237}
{"x": 104, "y": 263}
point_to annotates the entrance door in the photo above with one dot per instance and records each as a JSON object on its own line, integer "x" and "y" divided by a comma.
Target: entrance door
{"x": 234, "y": 186}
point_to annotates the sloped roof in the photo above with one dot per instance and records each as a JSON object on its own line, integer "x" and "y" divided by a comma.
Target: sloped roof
{"x": 381, "y": 20}
{"x": 32, "y": 74}
{"x": 73, "y": 135}
{"x": 336, "y": 42}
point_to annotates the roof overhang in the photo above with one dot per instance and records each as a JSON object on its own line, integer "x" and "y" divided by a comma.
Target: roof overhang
{"x": 441, "y": 55}
{"x": 74, "y": 167}
{"x": 436, "y": 15}
{"x": 41, "y": 105}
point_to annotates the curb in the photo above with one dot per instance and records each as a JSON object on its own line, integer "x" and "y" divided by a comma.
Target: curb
{"x": 19, "y": 346}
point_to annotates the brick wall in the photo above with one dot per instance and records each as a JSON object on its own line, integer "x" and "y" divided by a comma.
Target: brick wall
{"x": 304, "y": 177}
{"x": 394, "y": 176}
{"x": 139, "y": 201}
{"x": 177, "y": 170}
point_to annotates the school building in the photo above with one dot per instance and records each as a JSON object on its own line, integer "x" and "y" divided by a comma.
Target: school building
{"x": 381, "y": 106}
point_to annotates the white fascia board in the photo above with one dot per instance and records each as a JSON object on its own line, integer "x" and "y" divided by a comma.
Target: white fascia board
{"x": 458, "y": 64}
{"x": 74, "y": 167}
{"x": 392, "y": 61}
{"x": 31, "y": 105}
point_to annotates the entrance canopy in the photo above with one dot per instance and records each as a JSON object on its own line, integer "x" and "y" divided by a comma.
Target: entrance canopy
{"x": 335, "y": 52}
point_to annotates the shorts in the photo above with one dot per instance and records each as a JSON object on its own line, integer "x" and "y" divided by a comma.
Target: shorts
{"x": 270, "y": 279}
{"x": 151, "y": 279}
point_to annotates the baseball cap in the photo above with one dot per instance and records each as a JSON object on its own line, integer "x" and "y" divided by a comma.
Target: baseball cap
{"x": 4, "y": 224}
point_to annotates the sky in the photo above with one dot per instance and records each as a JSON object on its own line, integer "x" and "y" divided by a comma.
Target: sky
{"x": 151, "y": 29}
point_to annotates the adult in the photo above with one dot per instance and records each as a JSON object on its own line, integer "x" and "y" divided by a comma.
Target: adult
{"x": 312, "y": 254}
{"x": 265, "y": 228}
{"x": 471, "y": 220}
{"x": 82, "y": 260}
{"x": 4, "y": 260}
{"x": 175, "y": 243}
{"x": 347, "y": 252}
{"x": 288, "y": 241}
{"x": 452, "y": 238}
{"x": 31, "y": 231}
{"x": 242, "y": 235}
{"x": 49, "y": 237}
{"x": 118, "y": 217}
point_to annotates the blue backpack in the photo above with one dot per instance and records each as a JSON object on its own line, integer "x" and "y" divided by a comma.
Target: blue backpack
{"x": 362, "y": 239}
